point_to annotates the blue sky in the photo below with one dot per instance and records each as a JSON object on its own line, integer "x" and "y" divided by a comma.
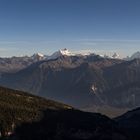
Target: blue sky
{"x": 103, "y": 26}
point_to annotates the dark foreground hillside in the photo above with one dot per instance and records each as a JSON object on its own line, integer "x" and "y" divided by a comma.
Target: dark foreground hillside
{"x": 71, "y": 125}
{"x": 17, "y": 107}
{"x": 130, "y": 123}
{"x": 27, "y": 117}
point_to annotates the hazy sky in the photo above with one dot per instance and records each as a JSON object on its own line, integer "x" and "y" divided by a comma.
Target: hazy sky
{"x": 104, "y": 26}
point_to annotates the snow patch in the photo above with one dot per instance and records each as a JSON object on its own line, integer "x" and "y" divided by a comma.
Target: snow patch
{"x": 94, "y": 88}
{"x": 38, "y": 56}
{"x": 63, "y": 52}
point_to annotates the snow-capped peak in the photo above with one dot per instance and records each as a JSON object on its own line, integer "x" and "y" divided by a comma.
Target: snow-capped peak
{"x": 63, "y": 52}
{"x": 135, "y": 55}
{"x": 38, "y": 56}
{"x": 115, "y": 56}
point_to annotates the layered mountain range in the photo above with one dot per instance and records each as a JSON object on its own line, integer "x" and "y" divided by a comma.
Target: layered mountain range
{"x": 86, "y": 81}
{"x": 14, "y": 64}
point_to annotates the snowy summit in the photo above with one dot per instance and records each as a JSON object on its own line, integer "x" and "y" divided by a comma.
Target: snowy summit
{"x": 115, "y": 56}
{"x": 38, "y": 56}
{"x": 63, "y": 52}
{"x": 135, "y": 55}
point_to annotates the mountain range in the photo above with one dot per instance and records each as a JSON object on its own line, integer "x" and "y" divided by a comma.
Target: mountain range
{"x": 86, "y": 81}
{"x": 14, "y": 64}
